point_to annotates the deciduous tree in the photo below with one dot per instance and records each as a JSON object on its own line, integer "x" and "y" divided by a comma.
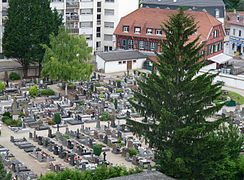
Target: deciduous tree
{"x": 67, "y": 58}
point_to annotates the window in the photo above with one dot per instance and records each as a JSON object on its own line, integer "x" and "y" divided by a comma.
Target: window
{"x": 125, "y": 28}
{"x": 149, "y": 30}
{"x": 141, "y": 45}
{"x": 130, "y": 44}
{"x": 99, "y": 4}
{"x": 239, "y": 32}
{"x": 158, "y": 32}
{"x": 108, "y": 37}
{"x": 86, "y": 24}
{"x": 217, "y": 13}
{"x": 109, "y": 12}
{"x": 120, "y": 62}
{"x": 134, "y": 61}
{"x": 110, "y": 48}
{"x": 109, "y": 24}
{"x": 124, "y": 62}
{"x": 88, "y": 36}
{"x": 105, "y": 48}
{"x": 215, "y": 33}
{"x": 109, "y": 1}
{"x": 152, "y": 46}
{"x": 137, "y": 30}
{"x": 98, "y": 31}
{"x": 234, "y": 32}
{"x": 233, "y": 46}
{"x": 86, "y": 11}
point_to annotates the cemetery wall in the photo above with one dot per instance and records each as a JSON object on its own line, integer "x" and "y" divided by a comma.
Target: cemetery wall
{"x": 32, "y": 72}
{"x": 228, "y": 79}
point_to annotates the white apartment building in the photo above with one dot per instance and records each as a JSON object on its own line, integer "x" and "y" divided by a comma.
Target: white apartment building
{"x": 95, "y": 19}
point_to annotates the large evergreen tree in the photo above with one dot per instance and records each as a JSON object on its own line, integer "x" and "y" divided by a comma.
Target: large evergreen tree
{"x": 67, "y": 58}
{"x": 176, "y": 104}
{"x": 29, "y": 24}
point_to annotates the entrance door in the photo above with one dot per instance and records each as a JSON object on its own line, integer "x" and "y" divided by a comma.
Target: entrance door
{"x": 129, "y": 65}
{"x": 239, "y": 49}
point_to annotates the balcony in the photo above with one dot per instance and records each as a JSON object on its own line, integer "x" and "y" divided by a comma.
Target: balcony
{"x": 73, "y": 30}
{"x": 72, "y": 18}
{"x": 71, "y": 5}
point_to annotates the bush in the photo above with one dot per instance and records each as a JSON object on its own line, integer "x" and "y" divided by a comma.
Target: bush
{"x": 7, "y": 114}
{"x": 2, "y": 86}
{"x": 97, "y": 149}
{"x": 14, "y": 76}
{"x": 105, "y": 116}
{"x": 47, "y": 92}
{"x": 119, "y": 90}
{"x": 33, "y": 91}
{"x": 132, "y": 152}
{"x": 102, "y": 172}
{"x": 50, "y": 122}
{"x": 10, "y": 122}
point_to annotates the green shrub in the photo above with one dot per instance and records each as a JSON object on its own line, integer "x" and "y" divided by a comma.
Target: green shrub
{"x": 33, "y": 91}
{"x": 2, "y": 86}
{"x": 47, "y": 92}
{"x": 132, "y": 152}
{"x": 14, "y": 76}
{"x": 105, "y": 116}
{"x": 97, "y": 149}
{"x": 101, "y": 173}
{"x": 10, "y": 122}
{"x": 50, "y": 122}
{"x": 7, "y": 114}
{"x": 119, "y": 90}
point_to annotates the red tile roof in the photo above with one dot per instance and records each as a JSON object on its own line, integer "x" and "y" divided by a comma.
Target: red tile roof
{"x": 231, "y": 18}
{"x": 154, "y": 17}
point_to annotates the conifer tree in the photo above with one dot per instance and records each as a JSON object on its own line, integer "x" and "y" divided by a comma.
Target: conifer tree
{"x": 176, "y": 105}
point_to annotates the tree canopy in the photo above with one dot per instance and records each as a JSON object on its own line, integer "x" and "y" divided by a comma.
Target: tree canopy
{"x": 67, "y": 58}
{"x": 176, "y": 105}
{"x": 28, "y": 25}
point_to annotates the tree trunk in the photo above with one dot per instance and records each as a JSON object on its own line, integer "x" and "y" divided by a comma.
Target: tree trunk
{"x": 25, "y": 71}
{"x": 40, "y": 69}
{"x": 66, "y": 89}
{"x": 58, "y": 127}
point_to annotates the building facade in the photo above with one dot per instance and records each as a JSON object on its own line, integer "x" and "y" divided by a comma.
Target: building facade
{"x": 214, "y": 7}
{"x": 235, "y": 45}
{"x": 95, "y": 19}
{"x": 142, "y": 31}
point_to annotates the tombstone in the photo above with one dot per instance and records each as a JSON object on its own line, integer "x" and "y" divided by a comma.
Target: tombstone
{"x": 105, "y": 139}
{"x": 50, "y": 133}
{"x": 119, "y": 134}
{"x": 40, "y": 140}
{"x": 70, "y": 145}
{"x": 12, "y": 138}
{"x": 30, "y": 135}
{"x": 130, "y": 144}
{"x": 55, "y": 150}
{"x": 98, "y": 125}
{"x": 14, "y": 108}
{"x": 72, "y": 160}
{"x": 90, "y": 142}
{"x": 35, "y": 136}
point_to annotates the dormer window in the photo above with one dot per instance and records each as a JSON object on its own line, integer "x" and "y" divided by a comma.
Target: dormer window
{"x": 137, "y": 30}
{"x": 149, "y": 31}
{"x": 159, "y": 32}
{"x": 215, "y": 33}
{"x": 125, "y": 28}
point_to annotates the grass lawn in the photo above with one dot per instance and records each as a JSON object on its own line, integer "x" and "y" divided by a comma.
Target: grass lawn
{"x": 236, "y": 97}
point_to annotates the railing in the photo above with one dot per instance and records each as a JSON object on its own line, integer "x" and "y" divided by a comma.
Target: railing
{"x": 72, "y": 4}
{"x": 72, "y": 18}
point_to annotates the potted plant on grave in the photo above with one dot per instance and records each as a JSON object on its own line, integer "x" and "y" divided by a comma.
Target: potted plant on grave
{"x": 57, "y": 119}
{"x": 132, "y": 152}
{"x": 97, "y": 149}
{"x": 2, "y": 87}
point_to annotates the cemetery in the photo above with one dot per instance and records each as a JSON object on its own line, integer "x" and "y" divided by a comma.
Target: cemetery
{"x": 82, "y": 130}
